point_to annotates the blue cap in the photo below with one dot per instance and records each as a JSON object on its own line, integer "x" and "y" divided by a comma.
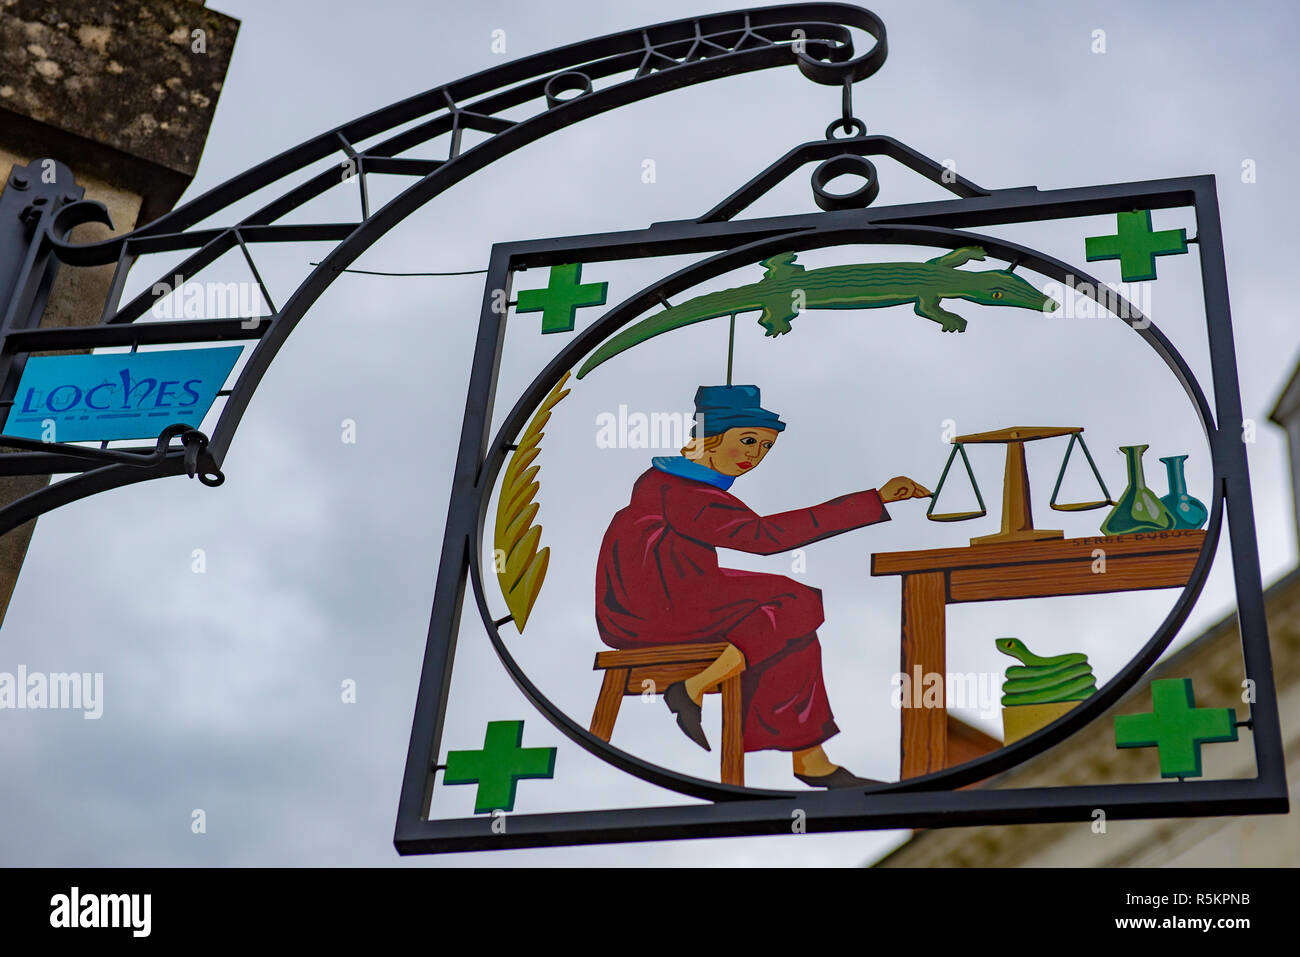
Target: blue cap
{"x": 726, "y": 407}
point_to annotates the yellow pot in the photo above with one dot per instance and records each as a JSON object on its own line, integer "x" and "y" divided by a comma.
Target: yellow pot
{"x": 1021, "y": 720}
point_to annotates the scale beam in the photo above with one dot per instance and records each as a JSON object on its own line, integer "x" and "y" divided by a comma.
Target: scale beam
{"x": 1018, "y": 433}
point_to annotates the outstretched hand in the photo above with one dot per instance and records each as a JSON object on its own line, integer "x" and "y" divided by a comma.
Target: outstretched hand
{"x": 901, "y": 487}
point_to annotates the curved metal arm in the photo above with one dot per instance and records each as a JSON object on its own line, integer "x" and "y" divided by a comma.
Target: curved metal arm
{"x": 668, "y": 56}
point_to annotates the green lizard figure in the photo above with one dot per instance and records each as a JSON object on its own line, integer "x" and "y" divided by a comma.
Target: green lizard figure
{"x": 788, "y": 288}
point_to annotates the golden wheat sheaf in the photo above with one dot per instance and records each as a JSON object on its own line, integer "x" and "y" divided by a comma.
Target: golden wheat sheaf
{"x": 520, "y": 564}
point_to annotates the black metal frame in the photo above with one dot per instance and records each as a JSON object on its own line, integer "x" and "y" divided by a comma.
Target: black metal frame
{"x": 931, "y": 800}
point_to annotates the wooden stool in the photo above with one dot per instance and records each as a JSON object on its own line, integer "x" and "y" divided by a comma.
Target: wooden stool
{"x": 627, "y": 671}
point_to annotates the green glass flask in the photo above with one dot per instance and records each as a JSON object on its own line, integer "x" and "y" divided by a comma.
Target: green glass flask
{"x": 1138, "y": 509}
{"x": 1188, "y": 512}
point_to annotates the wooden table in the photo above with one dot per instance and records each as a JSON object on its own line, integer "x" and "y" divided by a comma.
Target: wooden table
{"x": 935, "y": 578}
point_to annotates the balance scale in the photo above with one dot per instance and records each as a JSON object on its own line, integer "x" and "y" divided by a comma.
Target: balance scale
{"x": 1017, "y": 515}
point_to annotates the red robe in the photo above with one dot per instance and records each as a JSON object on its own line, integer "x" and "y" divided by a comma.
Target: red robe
{"x": 658, "y": 582}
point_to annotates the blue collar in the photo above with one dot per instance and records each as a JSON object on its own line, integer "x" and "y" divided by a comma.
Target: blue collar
{"x": 683, "y": 467}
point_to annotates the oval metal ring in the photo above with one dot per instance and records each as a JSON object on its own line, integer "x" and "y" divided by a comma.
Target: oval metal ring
{"x": 969, "y": 772}
{"x": 851, "y": 125}
{"x": 572, "y": 81}
{"x": 845, "y": 163}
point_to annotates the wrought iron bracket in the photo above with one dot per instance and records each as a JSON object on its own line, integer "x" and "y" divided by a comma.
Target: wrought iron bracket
{"x": 34, "y": 195}
{"x": 561, "y": 86}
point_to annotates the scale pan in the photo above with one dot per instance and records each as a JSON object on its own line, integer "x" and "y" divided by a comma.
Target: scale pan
{"x": 956, "y": 516}
{"x": 1080, "y": 506}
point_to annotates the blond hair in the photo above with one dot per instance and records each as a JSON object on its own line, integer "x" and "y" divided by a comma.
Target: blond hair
{"x": 697, "y": 447}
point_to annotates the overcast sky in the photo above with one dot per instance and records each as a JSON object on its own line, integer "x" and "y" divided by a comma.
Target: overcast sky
{"x": 222, "y": 689}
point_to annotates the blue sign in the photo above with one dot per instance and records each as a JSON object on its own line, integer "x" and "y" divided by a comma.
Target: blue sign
{"x": 128, "y": 395}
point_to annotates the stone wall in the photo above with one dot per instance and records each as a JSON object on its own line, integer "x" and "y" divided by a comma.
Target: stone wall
{"x": 121, "y": 89}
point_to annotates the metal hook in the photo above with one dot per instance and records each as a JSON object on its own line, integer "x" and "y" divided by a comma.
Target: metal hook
{"x": 194, "y": 442}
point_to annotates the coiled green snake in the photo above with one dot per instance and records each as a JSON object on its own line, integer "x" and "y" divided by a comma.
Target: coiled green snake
{"x": 1040, "y": 680}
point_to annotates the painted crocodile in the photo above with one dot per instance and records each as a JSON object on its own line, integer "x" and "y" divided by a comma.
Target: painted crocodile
{"x": 788, "y": 288}
{"x": 1039, "y": 680}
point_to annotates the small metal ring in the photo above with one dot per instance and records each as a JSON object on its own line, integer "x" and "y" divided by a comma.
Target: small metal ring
{"x": 851, "y": 125}
{"x": 212, "y": 479}
{"x": 571, "y": 81}
{"x": 852, "y": 164}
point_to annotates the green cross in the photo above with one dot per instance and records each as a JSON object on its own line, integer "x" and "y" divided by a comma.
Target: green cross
{"x": 1136, "y": 246}
{"x": 499, "y": 766}
{"x": 564, "y": 294}
{"x": 1176, "y": 728}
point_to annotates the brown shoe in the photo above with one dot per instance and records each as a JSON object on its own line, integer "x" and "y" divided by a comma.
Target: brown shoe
{"x": 839, "y": 778}
{"x": 689, "y": 714}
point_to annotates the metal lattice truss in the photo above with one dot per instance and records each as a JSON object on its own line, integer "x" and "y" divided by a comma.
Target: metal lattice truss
{"x": 560, "y": 87}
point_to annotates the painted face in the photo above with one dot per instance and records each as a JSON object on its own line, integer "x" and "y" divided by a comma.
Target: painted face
{"x": 741, "y": 450}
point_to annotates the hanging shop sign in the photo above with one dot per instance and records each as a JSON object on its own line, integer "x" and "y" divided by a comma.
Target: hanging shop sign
{"x": 736, "y": 662}
{"x": 724, "y": 552}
